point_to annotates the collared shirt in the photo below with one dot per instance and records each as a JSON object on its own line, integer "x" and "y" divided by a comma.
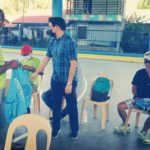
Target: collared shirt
{"x": 62, "y": 51}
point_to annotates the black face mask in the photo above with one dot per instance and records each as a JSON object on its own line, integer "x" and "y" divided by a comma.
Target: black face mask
{"x": 49, "y": 32}
{"x": 2, "y": 17}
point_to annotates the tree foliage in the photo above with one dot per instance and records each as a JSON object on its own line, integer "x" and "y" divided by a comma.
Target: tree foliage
{"x": 134, "y": 39}
{"x": 144, "y": 4}
{"x": 20, "y": 6}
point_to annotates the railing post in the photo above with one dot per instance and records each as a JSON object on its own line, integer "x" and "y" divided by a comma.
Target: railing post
{"x": 89, "y": 6}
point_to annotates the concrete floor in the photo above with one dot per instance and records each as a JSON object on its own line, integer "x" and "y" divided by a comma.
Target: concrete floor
{"x": 91, "y": 137}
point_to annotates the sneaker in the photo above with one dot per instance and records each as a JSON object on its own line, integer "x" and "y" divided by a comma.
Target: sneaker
{"x": 120, "y": 128}
{"x": 141, "y": 135}
{"x": 146, "y": 141}
{"x": 74, "y": 135}
{"x": 55, "y": 133}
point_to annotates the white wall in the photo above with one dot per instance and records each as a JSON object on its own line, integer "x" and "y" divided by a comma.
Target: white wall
{"x": 131, "y": 8}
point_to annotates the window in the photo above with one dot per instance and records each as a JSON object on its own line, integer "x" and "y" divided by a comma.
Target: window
{"x": 82, "y": 32}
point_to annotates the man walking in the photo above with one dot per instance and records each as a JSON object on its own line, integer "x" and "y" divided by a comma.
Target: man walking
{"x": 63, "y": 51}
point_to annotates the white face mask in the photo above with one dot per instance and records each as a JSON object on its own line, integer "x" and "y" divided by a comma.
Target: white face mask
{"x": 27, "y": 57}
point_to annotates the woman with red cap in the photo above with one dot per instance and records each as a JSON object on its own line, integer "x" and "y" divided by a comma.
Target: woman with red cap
{"x": 30, "y": 63}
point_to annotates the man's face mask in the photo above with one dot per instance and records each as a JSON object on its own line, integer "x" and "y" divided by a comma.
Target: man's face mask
{"x": 27, "y": 57}
{"x": 1, "y": 23}
{"x": 49, "y": 32}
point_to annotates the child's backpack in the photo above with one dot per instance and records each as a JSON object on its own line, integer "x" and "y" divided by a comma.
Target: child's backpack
{"x": 100, "y": 89}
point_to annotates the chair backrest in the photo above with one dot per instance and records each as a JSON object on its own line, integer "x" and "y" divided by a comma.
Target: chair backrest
{"x": 33, "y": 123}
{"x": 104, "y": 84}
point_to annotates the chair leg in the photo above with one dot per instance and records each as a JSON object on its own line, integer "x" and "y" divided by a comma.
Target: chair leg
{"x": 36, "y": 102}
{"x": 103, "y": 116}
{"x": 81, "y": 117}
{"x": 107, "y": 111}
{"x": 137, "y": 120}
{"x": 127, "y": 120}
{"x": 95, "y": 111}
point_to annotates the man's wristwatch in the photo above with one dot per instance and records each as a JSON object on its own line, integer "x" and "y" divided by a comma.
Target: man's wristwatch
{"x": 69, "y": 83}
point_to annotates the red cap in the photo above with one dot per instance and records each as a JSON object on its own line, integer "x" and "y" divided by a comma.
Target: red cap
{"x": 26, "y": 50}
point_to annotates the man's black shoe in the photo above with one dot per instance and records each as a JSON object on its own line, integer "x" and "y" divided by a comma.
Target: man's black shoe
{"x": 74, "y": 135}
{"x": 55, "y": 133}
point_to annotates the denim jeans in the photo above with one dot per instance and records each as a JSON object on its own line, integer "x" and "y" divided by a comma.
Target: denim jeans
{"x": 58, "y": 91}
{"x": 48, "y": 100}
{"x": 3, "y": 124}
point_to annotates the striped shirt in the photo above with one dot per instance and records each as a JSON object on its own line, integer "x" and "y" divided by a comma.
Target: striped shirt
{"x": 62, "y": 51}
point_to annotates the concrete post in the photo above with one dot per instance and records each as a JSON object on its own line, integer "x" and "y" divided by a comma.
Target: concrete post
{"x": 57, "y": 8}
{"x": 89, "y": 6}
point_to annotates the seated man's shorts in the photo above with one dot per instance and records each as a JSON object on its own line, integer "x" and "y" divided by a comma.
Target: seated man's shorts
{"x": 129, "y": 102}
{"x": 142, "y": 105}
